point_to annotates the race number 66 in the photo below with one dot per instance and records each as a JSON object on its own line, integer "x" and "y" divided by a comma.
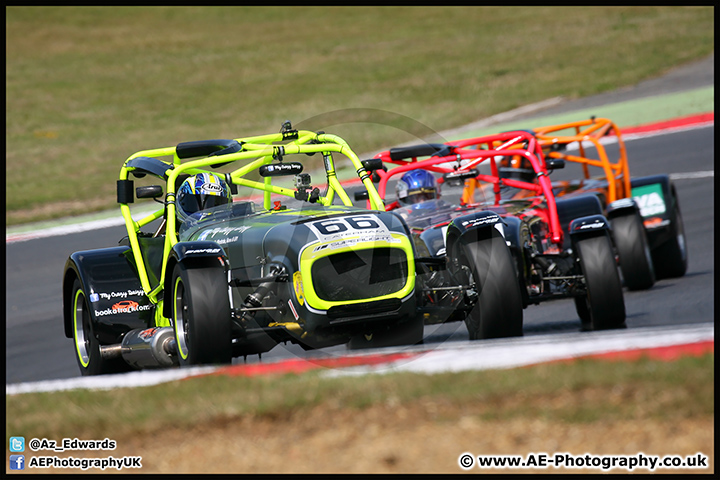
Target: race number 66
{"x": 347, "y": 224}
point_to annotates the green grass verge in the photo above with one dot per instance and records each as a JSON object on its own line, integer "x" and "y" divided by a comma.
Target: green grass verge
{"x": 579, "y": 392}
{"x": 88, "y": 86}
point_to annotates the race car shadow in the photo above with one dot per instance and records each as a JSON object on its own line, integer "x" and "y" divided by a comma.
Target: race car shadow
{"x": 553, "y": 327}
{"x": 659, "y": 285}
{"x": 687, "y": 275}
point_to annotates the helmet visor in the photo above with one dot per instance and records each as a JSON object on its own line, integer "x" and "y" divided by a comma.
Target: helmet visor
{"x": 210, "y": 201}
{"x": 418, "y": 195}
{"x": 194, "y": 203}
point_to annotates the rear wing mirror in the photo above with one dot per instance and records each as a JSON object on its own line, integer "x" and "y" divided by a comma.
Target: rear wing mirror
{"x": 361, "y": 195}
{"x": 554, "y": 163}
{"x": 150, "y": 191}
{"x": 422, "y": 150}
{"x": 373, "y": 164}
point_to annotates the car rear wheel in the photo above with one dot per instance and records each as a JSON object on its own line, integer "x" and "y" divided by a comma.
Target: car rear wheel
{"x": 498, "y": 311}
{"x": 201, "y": 315}
{"x": 631, "y": 242}
{"x": 604, "y": 306}
{"x": 670, "y": 258}
{"x": 87, "y": 346}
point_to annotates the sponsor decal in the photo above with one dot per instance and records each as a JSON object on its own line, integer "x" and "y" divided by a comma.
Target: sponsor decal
{"x": 276, "y": 169}
{"x": 223, "y": 232}
{"x": 125, "y": 305}
{"x": 655, "y": 222}
{"x": 590, "y": 225}
{"x": 203, "y": 250}
{"x": 223, "y": 241}
{"x": 480, "y": 221}
{"x": 112, "y": 295}
{"x": 298, "y": 285}
{"x": 118, "y": 309}
{"x": 283, "y": 167}
{"x": 495, "y": 220}
{"x": 149, "y": 332}
{"x": 211, "y": 188}
{"x": 622, "y": 203}
{"x": 351, "y": 242}
{"x": 650, "y": 199}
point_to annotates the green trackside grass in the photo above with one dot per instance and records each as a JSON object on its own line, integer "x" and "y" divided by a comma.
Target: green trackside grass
{"x": 583, "y": 392}
{"x": 88, "y": 86}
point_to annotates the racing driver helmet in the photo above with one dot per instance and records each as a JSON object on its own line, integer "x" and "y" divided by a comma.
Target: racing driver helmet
{"x": 200, "y": 192}
{"x": 416, "y": 186}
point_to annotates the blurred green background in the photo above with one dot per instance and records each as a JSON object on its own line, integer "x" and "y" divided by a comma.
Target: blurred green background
{"x": 86, "y": 87}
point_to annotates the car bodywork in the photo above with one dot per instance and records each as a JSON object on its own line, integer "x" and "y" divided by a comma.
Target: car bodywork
{"x": 558, "y": 245}
{"x": 237, "y": 279}
{"x": 603, "y": 171}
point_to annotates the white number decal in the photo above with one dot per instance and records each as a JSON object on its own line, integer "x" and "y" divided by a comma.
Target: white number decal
{"x": 347, "y": 226}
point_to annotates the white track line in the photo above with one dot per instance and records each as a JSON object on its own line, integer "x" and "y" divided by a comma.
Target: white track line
{"x": 450, "y": 357}
{"x": 108, "y": 382}
{"x": 502, "y": 354}
{"x": 690, "y": 175}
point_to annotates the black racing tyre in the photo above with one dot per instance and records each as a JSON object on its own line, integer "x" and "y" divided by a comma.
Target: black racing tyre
{"x": 604, "y": 303}
{"x": 498, "y": 311}
{"x": 201, "y": 315}
{"x": 87, "y": 346}
{"x": 406, "y": 333}
{"x": 671, "y": 258}
{"x": 583, "y": 311}
{"x": 631, "y": 242}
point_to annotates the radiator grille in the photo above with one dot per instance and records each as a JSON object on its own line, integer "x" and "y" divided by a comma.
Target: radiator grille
{"x": 360, "y": 274}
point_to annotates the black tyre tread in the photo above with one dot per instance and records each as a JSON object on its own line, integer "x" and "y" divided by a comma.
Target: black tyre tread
{"x": 670, "y": 258}
{"x": 605, "y": 301}
{"x": 499, "y": 310}
{"x": 583, "y": 311}
{"x": 631, "y": 242}
{"x": 209, "y": 324}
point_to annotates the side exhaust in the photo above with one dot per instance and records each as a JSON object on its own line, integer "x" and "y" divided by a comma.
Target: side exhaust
{"x": 145, "y": 348}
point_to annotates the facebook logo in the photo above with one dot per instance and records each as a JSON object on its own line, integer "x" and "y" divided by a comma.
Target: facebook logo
{"x": 17, "y": 462}
{"x": 17, "y": 444}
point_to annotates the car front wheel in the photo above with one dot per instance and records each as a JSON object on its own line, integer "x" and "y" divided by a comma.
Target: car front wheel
{"x": 603, "y": 306}
{"x": 201, "y": 315}
{"x": 631, "y": 242}
{"x": 498, "y": 311}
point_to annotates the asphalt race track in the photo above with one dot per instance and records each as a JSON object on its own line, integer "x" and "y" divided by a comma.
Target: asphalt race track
{"x": 36, "y": 348}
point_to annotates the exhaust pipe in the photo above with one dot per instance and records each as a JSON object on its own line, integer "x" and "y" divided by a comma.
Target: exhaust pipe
{"x": 145, "y": 348}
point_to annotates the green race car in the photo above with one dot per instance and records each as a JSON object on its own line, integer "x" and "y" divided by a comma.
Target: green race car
{"x": 211, "y": 274}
